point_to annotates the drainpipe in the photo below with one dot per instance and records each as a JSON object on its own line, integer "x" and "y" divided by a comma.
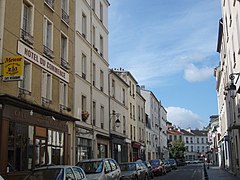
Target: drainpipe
{"x": 2, "y": 16}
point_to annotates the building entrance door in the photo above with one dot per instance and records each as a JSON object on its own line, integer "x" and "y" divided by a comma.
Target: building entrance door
{"x": 40, "y": 151}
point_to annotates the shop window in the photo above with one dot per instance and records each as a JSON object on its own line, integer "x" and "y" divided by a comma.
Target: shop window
{"x": 55, "y": 147}
{"x": 20, "y": 147}
{"x": 83, "y": 149}
{"x": 102, "y": 151}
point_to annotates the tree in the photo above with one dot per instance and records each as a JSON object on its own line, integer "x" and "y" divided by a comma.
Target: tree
{"x": 177, "y": 150}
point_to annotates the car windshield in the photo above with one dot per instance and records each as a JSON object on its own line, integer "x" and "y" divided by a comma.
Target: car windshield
{"x": 128, "y": 167}
{"x": 172, "y": 161}
{"x": 41, "y": 174}
{"x": 155, "y": 162}
{"x": 92, "y": 166}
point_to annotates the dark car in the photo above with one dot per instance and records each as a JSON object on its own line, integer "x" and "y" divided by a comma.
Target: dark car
{"x": 103, "y": 168}
{"x": 173, "y": 163}
{"x": 167, "y": 165}
{"x": 134, "y": 170}
{"x": 158, "y": 167}
{"x": 60, "y": 172}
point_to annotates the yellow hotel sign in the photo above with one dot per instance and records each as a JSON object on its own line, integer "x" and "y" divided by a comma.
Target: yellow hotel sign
{"x": 13, "y": 68}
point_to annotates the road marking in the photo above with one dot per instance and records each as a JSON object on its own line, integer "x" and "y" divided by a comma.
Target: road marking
{"x": 193, "y": 173}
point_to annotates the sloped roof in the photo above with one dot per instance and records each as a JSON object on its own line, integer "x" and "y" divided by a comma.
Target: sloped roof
{"x": 174, "y": 132}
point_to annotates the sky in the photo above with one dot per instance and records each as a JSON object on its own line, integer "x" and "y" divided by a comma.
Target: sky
{"x": 169, "y": 47}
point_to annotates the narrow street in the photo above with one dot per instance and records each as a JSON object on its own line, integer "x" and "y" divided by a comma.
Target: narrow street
{"x": 188, "y": 172}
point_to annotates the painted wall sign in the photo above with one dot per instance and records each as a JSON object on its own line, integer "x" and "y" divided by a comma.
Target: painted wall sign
{"x": 41, "y": 61}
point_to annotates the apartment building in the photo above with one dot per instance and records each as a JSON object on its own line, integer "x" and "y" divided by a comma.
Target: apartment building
{"x": 213, "y": 139}
{"x": 36, "y": 89}
{"x": 119, "y": 115}
{"x": 164, "y": 151}
{"x": 132, "y": 123}
{"x": 153, "y": 124}
{"x": 227, "y": 85}
{"x": 196, "y": 143}
{"x": 91, "y": 99}
{"x": 141, "y": 122}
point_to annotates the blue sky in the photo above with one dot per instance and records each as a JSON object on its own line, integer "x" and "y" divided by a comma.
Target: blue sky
{"x": 170, "y": 47}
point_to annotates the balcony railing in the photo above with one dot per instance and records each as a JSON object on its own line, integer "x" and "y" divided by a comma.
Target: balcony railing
{"x": 65, "y": 64}
{"x": 48, "y": 52}
{"x": 64, "y": 108}
{"x": 22, "y": 91}
{"x": 46, "y": 101}
{"x": 65, "y": 16}
{"x": 50, "y": 3}
{"x": 27, "y": 37}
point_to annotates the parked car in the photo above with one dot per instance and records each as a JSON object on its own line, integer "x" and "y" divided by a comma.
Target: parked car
{"x": 173, "y": 163}
{"x": 167, "y": 165}
{"x": 59, "y": 172}
{"x": 180, "y": 162}
{"x": 158, "y": 167}
{"x": 104, "y": 169}
{"x": 150, "y": 169}
{"x": 134, "y": 170}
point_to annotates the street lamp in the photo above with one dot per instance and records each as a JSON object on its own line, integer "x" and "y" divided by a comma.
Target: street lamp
{"x": 117, "y": 121}
{"x": 232, "y": 86}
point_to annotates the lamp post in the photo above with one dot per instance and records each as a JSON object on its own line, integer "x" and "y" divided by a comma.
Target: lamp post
{"x": 114, "y": 117}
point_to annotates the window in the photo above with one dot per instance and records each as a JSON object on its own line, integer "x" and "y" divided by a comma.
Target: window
{"x": 197, "y": 140}
{"x": 93, "y": 5}
{"x": 46, "y": 88}
{"x": 63, "y": 95}
{"x": 64, "y": 51}
{"x": 78, "y": 172}
{"x": 20, "y": 147}
{"x": 48, "y": 38}
{"x": 65, "y": 16}
{"x": 123, "y": 96}
{"x": 101, "y": 12}
{"x": 101, "y": 46}
{"x": 186, "y": 148}
{"x": 134, "y": 133}
{"x": 130, "y": 110}
{"x": 113, "y": 88}
{"x": 69, "y": 174}
{"x": 94, "y": 37}
{"x": 50, "y": 3}
{"x": 84, "y": 66}
{"x": 94, "y": 113}
{"x": 238, "y": 32}
{"x": 202, "y": 140}
{"x": 113, "y": 165}
{"x": 55, "y": 147}
{"x": 139, "y": 115}
{"x": 83, "y": 148}
{"x": 25, "y": 84}
{"x": 124, "y": 125}
{"x": 131, "y": 132}
{"x": 101, "y": 80}
{"x": 94, "y": 74}
{"x": 139, "y": 134}
{"x": 175, "y": 137}
{"x": 102, "y": 117}
{"x": 133, "y": 112}
{"x": 84, "y": 103}
{"x": 27, "y": 22}
{"x": 226, "y": 28}
{"x": 191, "y": 139}
{"x": 202, "y": 148}
{"x": 186, "y": 139}
{"x": 191, "y": 148}
{"x": 170, "y": 137}
{"x": 84, "y": 25}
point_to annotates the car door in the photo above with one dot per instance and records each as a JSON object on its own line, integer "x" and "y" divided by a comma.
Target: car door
{"x": 116, "y": 173}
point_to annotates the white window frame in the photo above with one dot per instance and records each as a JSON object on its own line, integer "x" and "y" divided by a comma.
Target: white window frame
{"x": 93, "y": 5}
{"x": 102, "y": 116}
{"x": 94, "y": 74}
{"x": 26, "y": 83}
{"x": 101, "y": 80}
{"x": 238, "y": 31}
{"x": 94, "y": 36}
{"x": 101, "y": 43}
{"x": 63, "y": 93}
{"x": 31, "y": 16}
{"x": 65, "y": 5}
{"x": 45, "y": 30}
{"x": 46, "y": 85}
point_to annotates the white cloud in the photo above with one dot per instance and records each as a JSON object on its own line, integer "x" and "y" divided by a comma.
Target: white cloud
{"x": 184, "y": 118}
{"x": 193, "y": 74}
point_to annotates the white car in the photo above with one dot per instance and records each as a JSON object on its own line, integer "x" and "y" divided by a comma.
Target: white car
{"x": 101, "y": 169}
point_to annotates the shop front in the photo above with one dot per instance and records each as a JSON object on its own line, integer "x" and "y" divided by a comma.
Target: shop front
{"x": 136, "y": 151}
{"x": 119, "y": 148}
{"x": 30, "y": 138}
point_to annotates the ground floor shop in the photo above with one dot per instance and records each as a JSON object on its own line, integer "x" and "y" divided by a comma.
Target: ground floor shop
{"x": 30, "y": 138}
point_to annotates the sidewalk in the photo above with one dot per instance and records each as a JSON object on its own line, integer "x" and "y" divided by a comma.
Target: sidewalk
{"x": 215, "y": 173}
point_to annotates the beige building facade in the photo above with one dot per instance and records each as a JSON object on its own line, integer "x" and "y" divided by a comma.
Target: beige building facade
{"x": 91, "y": 99}
{"x": 36, "y": 106}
